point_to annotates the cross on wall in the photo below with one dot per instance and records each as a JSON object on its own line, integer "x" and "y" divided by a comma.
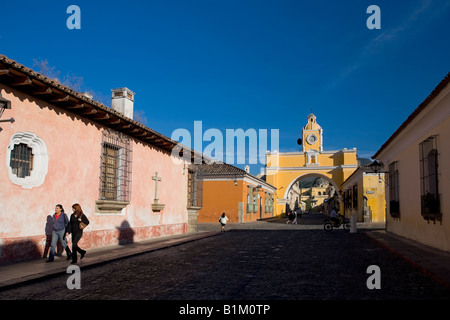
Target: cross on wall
{"x": 157, "y": 179}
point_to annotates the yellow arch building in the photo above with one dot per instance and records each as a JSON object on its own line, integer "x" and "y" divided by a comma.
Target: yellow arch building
{"x": 284, "y": 169}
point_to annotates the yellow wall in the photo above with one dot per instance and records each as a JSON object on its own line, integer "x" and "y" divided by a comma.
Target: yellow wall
{"x": 370, "y": 186}
{"x": 283, "y": 179}
{"x": 433, "y": 120}
{"x": 375, "y": 201}
{"x": 283, "y": 169}
{"x": 411, "y": 223}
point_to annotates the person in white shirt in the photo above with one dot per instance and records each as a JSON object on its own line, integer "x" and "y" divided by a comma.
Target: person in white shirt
{"x": 223, "y": 221}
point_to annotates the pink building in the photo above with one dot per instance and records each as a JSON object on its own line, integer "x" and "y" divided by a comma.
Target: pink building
{"x": 66, "y": 148}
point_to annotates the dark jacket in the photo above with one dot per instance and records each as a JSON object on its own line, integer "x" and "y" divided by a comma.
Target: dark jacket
{"x": 73, "y": 226}
{"x": 60, "y": 223}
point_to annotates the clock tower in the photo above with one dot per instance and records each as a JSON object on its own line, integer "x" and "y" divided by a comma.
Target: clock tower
{"x": 284, "y": 170}
{"x": 312, "y": 135}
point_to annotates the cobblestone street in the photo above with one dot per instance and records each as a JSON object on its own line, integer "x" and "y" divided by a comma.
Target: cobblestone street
{"x": 279, "y": 263}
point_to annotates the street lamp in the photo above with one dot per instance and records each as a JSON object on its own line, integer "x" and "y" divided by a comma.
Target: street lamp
{"x": 376, "y": 166}
{"x": 5, "y": 104}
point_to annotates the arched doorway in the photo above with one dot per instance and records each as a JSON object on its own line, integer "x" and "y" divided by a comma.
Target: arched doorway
{"x": 312, "y": 192}
{"x": 283, "y": 169}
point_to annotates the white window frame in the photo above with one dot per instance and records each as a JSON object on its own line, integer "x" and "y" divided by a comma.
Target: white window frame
{"x": 312, "y": 154}
{"x": 40, "y": 160}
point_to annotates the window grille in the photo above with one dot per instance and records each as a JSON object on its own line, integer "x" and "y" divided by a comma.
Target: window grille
{"x": 272, "y": 200}
{"x": 355, "y": 196}
{"x": 430, "y": 200}
{"x": 255, "y": 200}
{"x": 266, "y": 202}
{"x": 115, "y": 170}
{"x": 350, "y": 199}
{"x": 21, "y": 161}
{"x": 347, "y": 199}
{"x": 195, "y": 187}
{"x": 394, "y": 198}
{"x": 249, "y": 199}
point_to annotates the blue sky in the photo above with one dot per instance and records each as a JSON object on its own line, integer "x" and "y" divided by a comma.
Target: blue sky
{"x": 246, "y": 64}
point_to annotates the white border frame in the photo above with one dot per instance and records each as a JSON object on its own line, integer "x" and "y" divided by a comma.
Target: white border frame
{"x": 40, "y": 160}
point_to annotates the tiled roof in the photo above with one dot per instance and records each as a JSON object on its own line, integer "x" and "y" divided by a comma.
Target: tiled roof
{"x": 219, "y": 171}
{"x": 26, "y": 80}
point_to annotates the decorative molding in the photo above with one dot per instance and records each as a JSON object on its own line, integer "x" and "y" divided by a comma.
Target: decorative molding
{"x": 110, "y": 206}
{"x": 157, "y": 207}
{"x": 40, "y": 160}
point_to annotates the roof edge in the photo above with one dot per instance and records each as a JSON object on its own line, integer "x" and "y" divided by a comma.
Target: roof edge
{"x": 444, "y": 82}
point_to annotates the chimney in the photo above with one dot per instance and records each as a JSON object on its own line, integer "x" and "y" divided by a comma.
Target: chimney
{"x": 247, "y": 169}
{"x": 123, "y": 101}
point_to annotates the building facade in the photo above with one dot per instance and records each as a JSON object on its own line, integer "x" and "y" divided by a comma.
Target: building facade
{"x": 66, "y": 148}
{"x": 242, "y": 196}
{"x": 416, "y": 160}
{"x": 284, "y": 169}
{"x": 363, "y": 195}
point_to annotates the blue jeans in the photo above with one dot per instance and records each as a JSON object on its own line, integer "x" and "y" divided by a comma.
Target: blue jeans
{"x": 55, "y": 236}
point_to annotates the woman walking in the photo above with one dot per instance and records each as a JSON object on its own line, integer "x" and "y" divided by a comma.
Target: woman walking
{"x": 60, "y": 222}
{"x": 74, "y": 228}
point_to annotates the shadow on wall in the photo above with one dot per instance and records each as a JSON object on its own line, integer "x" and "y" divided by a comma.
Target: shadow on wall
{"x": 48, "y": 239}
{"x": 18, "y": 250}
{"x": 126, "y": 233}
{"x": 13, "y": 250}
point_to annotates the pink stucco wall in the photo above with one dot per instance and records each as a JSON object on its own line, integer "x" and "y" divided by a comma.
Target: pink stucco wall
{"x": 74, "y": 147}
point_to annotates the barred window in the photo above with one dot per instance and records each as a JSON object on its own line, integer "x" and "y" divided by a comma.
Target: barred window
{"x": 346, "y": 199}
{"x": 249, "y": 199}
{"x": 27, "y": 160}
{"x": 115, "y": 171}
{"x": 430, "y": 200}
{"x": 271, "y": 201}
{"x": 355, "y": 196}
{"x": 255, "y": 200}
{"x": 195, "y": 187}
{"x": 350, "y": 198}
{"x": 21, "y": 161}
{"x": 394, "y": 198}
{"x": 266, "y": 202}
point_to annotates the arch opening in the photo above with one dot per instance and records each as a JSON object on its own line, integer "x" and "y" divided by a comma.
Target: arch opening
{"x": 312, "y": 192}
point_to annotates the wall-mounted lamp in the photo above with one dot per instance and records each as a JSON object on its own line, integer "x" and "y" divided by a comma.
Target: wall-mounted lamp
{"x": 376, "y": 167}
{"x": 5, "y": 104}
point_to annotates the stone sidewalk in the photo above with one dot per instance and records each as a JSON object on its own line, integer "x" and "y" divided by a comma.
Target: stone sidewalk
{"x": 28, "y": 271}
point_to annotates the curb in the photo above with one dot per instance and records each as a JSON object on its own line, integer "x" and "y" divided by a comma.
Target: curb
{"x": 381, "y": 242}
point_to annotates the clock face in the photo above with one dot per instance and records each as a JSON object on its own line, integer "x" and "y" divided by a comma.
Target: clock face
{"x": 311, "y": 139}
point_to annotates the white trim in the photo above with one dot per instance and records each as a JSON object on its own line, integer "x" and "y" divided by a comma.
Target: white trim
{"x": 40, "y": 160}
{"x": 311, "y": 167}
{"x": 257, "y": 182}
{"x": 300, "y": 153}
{"x": 303, "y": 168}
